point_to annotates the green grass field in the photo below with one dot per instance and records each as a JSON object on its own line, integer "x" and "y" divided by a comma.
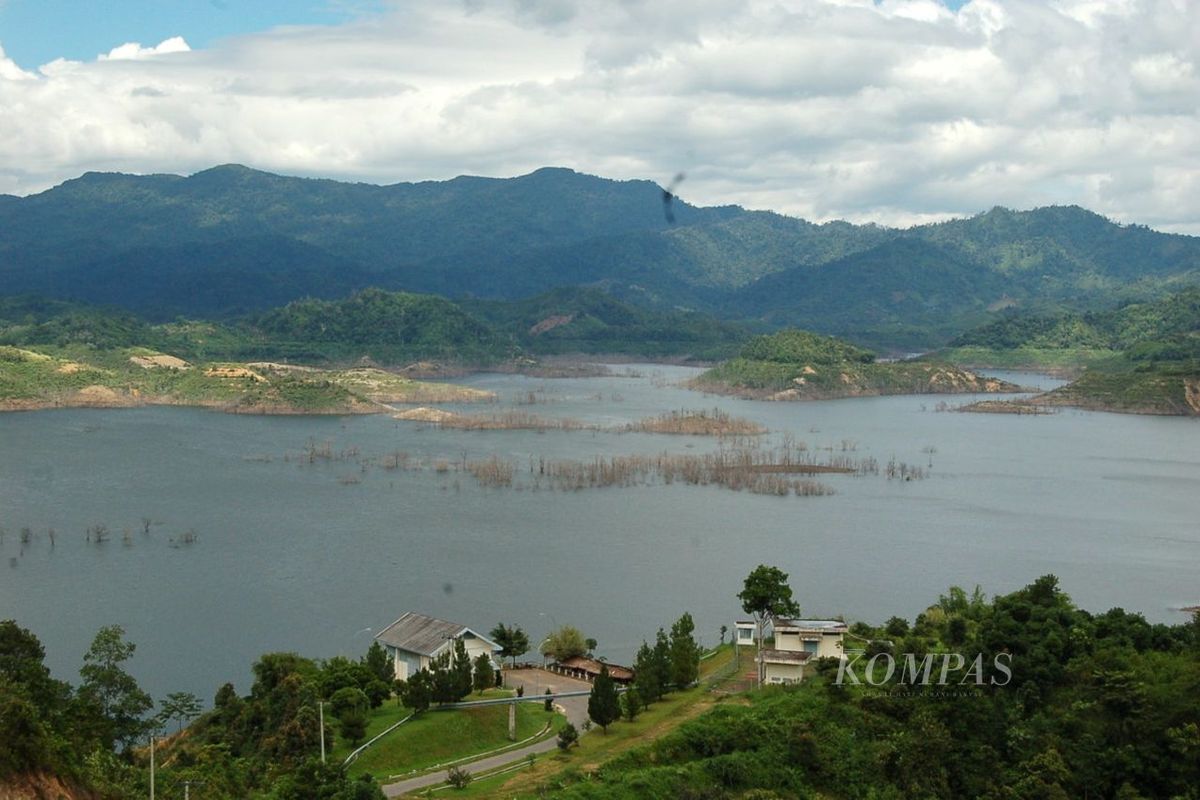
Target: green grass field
{"x": 437, "y": 737}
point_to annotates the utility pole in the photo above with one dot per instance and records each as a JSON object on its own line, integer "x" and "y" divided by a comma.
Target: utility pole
{"x": 152, "y": 766}
{"x": 321, "y": 717}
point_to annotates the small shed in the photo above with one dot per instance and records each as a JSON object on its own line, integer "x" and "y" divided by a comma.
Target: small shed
{"x": 587, "y": 669}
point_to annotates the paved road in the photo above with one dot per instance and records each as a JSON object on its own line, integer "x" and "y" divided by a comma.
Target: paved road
{"x": 536, "y": 682}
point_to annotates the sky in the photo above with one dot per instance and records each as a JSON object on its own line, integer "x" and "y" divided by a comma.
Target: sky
{"x": 897, "y": 112}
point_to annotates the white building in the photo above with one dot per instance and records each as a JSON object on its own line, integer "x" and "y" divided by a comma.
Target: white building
{"x": 414, "y": 640}
{"x": 797, "y": 643}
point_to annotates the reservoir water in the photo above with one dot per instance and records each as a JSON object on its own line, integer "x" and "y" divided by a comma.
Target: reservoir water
{"x": 289, "y": 555}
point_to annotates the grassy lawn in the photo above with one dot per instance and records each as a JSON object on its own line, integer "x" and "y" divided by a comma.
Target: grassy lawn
{"x": 381, "y": 718}
{"x": 440, "y": 736}
{"x": 596, "y": 747}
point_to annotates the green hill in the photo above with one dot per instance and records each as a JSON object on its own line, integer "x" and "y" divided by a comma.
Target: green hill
{"x": 577, "y": 320}
{"x": 391, "y": 327}
{"x": 798, "y": 365}
{"x": 1092, "y": 705}
{"x": 1140, "y": 358}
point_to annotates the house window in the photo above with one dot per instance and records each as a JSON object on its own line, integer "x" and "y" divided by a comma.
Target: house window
{"x": 811, "y": 647}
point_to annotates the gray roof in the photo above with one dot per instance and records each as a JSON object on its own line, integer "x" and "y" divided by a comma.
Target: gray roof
{"x": 824, "y": 625}
{"x": 786, "y": 656}
{"x": 418, "y": 633}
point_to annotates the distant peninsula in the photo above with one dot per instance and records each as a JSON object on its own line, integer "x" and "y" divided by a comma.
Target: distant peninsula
{"x": 799, "y": 365}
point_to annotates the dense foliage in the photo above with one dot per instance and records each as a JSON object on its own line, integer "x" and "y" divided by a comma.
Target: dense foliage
{"x": 1117, "y": 329}
{"x": 1098, "y": 705}
{"x": 264, "y": 745}
{"x": 387, "y": 326}
{"x": 577, "y": 320}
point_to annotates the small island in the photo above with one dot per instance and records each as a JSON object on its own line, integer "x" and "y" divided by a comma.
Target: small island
{"x": 799, "y": 365}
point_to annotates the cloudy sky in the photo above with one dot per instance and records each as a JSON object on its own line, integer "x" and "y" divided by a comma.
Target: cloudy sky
{"x": 896, "y": 111}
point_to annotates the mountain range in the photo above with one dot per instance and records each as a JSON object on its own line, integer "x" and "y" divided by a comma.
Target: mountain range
{"x": 231, "y": 240}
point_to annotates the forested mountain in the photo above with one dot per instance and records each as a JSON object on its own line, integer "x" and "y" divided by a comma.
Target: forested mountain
{"x": 232, "y": 240}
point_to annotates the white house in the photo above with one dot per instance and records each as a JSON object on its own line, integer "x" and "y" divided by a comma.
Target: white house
{"x": 414, "y": 640}
{"x": 797, "y": 643}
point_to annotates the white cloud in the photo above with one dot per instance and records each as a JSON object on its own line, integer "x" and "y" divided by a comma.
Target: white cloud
{"x": 897, "y": 111}
{"x": 132, "y": 51}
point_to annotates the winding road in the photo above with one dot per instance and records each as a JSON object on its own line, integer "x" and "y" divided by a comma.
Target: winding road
{"x": 535, "y": 682}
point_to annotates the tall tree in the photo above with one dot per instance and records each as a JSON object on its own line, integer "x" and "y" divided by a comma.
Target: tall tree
{"x": 647, "y": 675}
{"x": 685, "y": 652}
{"x": 512, "y": 640}
{"x": 110, "y": 691}
{"x": 485, "y": 673}
{"x": 604, "y": 706}
{"x": 179, "y": 706}
{"x": 464, "y": 671}
{"x": 377, "y": 661}
{"x": 766, "y": 595}
{"x": 661, "y": 661}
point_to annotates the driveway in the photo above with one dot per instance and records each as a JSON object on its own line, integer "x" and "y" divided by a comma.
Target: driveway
{"x": 536, "y": 682}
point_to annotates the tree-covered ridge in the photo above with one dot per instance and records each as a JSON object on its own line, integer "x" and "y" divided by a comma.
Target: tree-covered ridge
{"x": 1116, "y": 329}
{"x": 393, "y": 328}
{"x": 388, "y": 326}
{"x": 582, "y": 320}
{"x": 1140, "y": 358}
{"x": 93, "y": 738}
{"x": 231, "y": 240}
{"x": 1096, "y": 705}
{"x": 802, "y": 347}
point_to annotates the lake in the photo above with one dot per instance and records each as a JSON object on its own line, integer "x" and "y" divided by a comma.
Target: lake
{"x": 289, "y": 555}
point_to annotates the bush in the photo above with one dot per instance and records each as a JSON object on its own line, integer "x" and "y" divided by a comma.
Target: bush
{"x": 458, "y": 777}
{"x": 567, "y": 736}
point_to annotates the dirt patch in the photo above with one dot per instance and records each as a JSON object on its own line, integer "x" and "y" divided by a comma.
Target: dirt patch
{"x": 69, "y": 368}
{"x": 550, "y": 323}
{"x": 1191, "y": 393}
{"x": 41, "y": 786}
{"x": 272, "y": 366}
{"x": 161, "y": 361}
{"x": 426, "y": 414}
{"x": 234, "y": 372}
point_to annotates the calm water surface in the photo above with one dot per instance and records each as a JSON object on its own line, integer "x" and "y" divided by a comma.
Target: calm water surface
{"x": 292, "y": 556}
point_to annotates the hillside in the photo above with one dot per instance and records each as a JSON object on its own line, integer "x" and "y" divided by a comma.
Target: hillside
{"x": 798, "y": 365}
{"x": 232, "y": 240}
{"x": 1069, "y": 339}
{"x": 32, "y": 379}
{"x": 390, "y": 327}
{"x": 1141, "y": 358}
{"x": 1093, "y": 705}
{"x": 576, "y": 320}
